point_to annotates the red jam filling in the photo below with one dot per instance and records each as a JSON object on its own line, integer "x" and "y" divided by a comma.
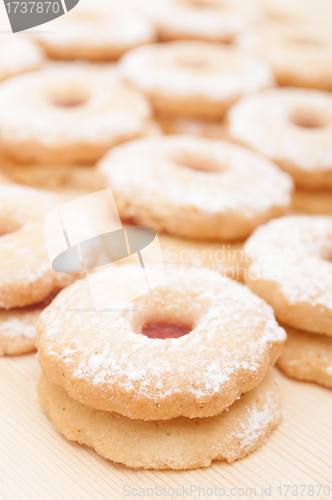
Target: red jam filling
{"x": 164, "y": 331}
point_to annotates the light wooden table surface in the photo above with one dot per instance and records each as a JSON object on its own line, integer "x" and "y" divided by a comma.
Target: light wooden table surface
{"x": 38, "y": 463}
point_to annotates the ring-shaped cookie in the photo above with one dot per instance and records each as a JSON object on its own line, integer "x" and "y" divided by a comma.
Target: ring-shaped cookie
{"x": 299, "y": 54}
{"x": 96, "y": 34}
{"x": 72, "y": 116}
{"x": 293, "y": 128}
{"x": 213, "y": 20}
{"x": 195, "y": 187}
{"x": 105, "y": 362}
{"x": 194, "y": 79}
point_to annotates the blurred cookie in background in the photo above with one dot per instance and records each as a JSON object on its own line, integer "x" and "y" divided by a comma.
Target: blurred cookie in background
{"x": 299, "y": 54}
{"x": 194, "y": 79}
{"x": 211, "y": 20}
{"x": 293, "y": 128}
{"x": 19, "y": 54}
{"x": 72, "y": 117}
{"x": 319, "y": 11}
{"x": 194, "y": 187}
{"x": 96, "y": 33}
{"x": 202, "y": 196}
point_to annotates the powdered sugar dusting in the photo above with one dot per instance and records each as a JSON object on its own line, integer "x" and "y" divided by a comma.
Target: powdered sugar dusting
{"x": 211, "y": 23}
{"x": 24, "y": 260}
{"x": 101, "y": 28}
{"x": 227, "y": 74}
{"x": 109, "y": 113}
{"x": 15, "y": 324}
{"x": 240, "y": 181}
{"x": 258, "y": 420}
{"x": 294, "y": 252}
{"x": 263, "y": 122}
{"x": 235, "y": 332}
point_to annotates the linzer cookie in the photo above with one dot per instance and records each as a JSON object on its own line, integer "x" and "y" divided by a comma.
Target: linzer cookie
{"x": 101, "y": 33}
{"x": 194, "y": 79}
{"x": 213, "y": 20}
{"x": 293, "y": 128}
{"x": 110, "y": 364}
{"x": 180, "y": 378}
{"x": 194, "y": 187}
{"x": 72, "y": 117}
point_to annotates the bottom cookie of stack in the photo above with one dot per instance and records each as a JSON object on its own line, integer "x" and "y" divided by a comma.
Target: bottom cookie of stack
{"x": 179, "y": 443}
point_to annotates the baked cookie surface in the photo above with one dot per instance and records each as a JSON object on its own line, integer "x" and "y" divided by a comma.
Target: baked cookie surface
{"x": 289, "y": 266}
{"x": 26, "y": 275}
{"x": 194, "y": 79}
{"x": 72, "y": 117}
{"x": 299, "y": 53}
{"x": 194, "y": 187}
{"x": 180, "y": 443}
{"x": 293, "y": 128}
{"x": 307, "y": 356}
{"x": 213, "y": 20}
{"x": 104, "y": 359}
{"x": 18, "y": 329}
{"x": 96, "y": 34}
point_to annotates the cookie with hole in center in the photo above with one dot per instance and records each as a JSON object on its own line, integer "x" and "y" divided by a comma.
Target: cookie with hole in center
{"x": 194, "y": 187}
{"x": 108, "y": 360}
{"x": 212, "y": 20}
{"x": 98, "y": 33}
{"x": 298, "y": 53}
{"x": 293, "y": 128}
{"x": 72, "y": 117}
{"x": 194, "y": 79}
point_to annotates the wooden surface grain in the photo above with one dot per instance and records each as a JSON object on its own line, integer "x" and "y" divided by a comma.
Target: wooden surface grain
{"x": 38, "y": 463}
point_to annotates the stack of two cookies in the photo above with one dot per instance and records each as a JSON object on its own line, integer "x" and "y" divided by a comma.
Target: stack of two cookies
{"x": 291, "y": 269}
{"x": 179, "y": 379}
